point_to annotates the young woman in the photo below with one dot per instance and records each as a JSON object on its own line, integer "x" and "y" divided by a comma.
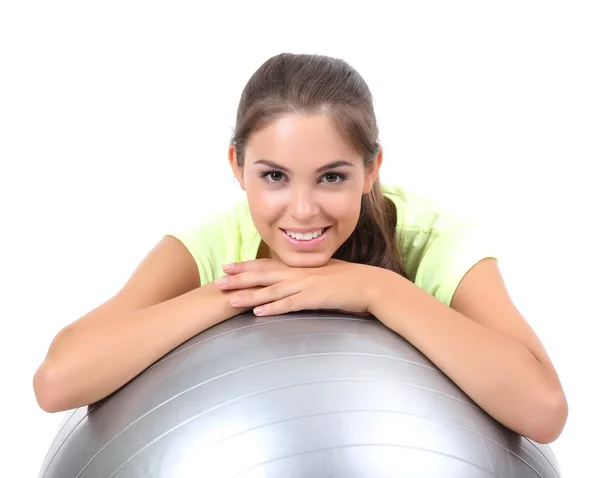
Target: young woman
{"x": 317, "y": 230}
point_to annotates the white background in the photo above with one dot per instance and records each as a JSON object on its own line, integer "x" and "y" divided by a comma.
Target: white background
{"x": 115, "y": 117}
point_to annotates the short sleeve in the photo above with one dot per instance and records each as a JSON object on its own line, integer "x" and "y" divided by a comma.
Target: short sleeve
{"x": 436, "y": 245}
{"x": 447, "y": 258}
{"x": 197, "y": 240}
{"x": 225, "y": 236}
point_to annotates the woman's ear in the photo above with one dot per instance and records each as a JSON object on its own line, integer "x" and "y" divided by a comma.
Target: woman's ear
{"x": 372, "y": 172}
{"x": 235, "y": 168}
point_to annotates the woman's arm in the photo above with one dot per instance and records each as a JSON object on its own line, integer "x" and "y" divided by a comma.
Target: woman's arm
{"x": 160, "y": 307}
{"x": 482, "y": 343}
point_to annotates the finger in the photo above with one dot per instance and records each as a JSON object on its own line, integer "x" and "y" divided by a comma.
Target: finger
{"x": 253, "y": 265}
{"x": 245, "y": 280}
{"x": 291, "y": 303}
{"x": 278, "y": 291}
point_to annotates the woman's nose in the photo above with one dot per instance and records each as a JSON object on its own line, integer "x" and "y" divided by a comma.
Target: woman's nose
{"x": 304, "y": 205}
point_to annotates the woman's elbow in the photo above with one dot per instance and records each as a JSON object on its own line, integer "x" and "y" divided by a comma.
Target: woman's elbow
{"x": 549, "y": 419}
{"x": 47, "y": 391}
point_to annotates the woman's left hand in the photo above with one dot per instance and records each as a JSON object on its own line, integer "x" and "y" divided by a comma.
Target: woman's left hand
{"x": 337, "y": 285}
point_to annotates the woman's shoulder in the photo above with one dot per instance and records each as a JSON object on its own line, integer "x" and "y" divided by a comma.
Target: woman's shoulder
{"x": 437, "y": 244}
{"x": 418, "y": 212}
{"x": 225, "y": 234}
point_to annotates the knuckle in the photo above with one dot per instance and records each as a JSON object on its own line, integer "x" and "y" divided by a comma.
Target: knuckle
{"x": 274, "y": 291}
{"x": 243, "y": 279}
{"x": 260, "y": 278}
{"x": 289, "y": 303}
{"x": 262, "y": 263}
{"x": 232, "y": 281}
{"x": 247, "y": 279}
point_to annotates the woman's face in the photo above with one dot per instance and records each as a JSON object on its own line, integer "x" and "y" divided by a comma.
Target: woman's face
{"x": 304, "y": 186}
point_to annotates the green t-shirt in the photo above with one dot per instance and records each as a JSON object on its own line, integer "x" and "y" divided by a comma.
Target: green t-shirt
{"x": 437, "y": 247}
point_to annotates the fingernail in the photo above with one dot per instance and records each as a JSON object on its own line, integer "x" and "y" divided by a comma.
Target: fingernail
{"x": 259, "y": 310}
{"x": 227, "y": 267}
{"x": 235, "y": 300}
{"x": 221, "y": 282}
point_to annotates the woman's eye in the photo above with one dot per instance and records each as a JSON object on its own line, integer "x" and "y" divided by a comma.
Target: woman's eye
{"x": 272, "y": 176}
{"x": 278, "y": 176}
{"x": 333, "y": 178}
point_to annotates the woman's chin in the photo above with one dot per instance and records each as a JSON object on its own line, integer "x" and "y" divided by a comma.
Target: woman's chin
{"x": 306, "y": 259}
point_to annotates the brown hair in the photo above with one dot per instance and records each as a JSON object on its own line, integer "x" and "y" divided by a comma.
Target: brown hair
{"x": 313, "y": 84}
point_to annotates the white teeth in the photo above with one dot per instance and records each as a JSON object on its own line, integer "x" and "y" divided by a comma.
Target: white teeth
{"x": 305, "y": 236}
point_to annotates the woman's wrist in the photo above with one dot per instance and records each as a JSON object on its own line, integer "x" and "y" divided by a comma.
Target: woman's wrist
{"x": 376, "y": 284}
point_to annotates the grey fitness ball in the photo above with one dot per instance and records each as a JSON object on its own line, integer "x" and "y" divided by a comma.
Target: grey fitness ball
{"x": 311, "y": 395}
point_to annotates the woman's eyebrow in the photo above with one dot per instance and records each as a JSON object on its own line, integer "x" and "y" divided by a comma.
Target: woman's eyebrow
{"x": 334, "y": 164}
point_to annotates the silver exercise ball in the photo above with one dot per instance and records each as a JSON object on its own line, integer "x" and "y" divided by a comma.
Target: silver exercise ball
{"x": 310, "y": 395}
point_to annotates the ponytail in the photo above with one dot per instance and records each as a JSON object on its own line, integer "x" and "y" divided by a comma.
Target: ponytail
{"x": 373, "y": 241}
